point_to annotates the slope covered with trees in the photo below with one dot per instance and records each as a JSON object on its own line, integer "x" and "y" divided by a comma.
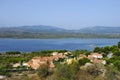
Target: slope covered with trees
{"x": 42, "y": 31}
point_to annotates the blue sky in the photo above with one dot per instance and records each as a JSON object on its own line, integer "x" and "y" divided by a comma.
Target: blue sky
{"x": 69, "y": 14}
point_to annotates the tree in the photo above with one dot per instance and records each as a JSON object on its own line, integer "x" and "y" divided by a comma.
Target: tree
{"x": 106, "y": 50}
{"x": 112, "y": 73}
{"x": 97, "y": 49}
{"x": 78, "y": 52}
{"x": 83, "y": 61}
{"x": 64, "y": 72}
{"x": 114, "y": 48}
{"x": 43, "y": 71}
{"x": 13, "y": 53}
{"x": 117, "y": 53}
{"x": 118, "y": 44}
{"x": 95, "y": 69}
{"x": 117, "y": 64}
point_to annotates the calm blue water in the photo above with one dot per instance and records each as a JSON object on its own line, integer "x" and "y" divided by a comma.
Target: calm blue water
{"x": 27, "y": 45}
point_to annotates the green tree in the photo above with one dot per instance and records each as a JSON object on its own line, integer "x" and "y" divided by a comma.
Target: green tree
{"x": 43, "y": 71}
{"x": 78, "y": 52}
{"x": 106, "y": 50}
{"x": 114, "y": 48}
{"x": 64, "y": 72}
{"x": 95, "y": 69}
{"x": 97, "y": 49}
{"x": 118, "y": 44}
{"x": 112, "y": 73}
{"x": 117, "y": 64}
{"x": 117, "y": 53}
{"x": 13, "y": 52}
{"x": 83, "y": 61}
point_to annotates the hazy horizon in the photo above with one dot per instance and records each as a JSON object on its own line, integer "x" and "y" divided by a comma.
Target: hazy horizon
{"x": 58, "y": 26}
{"x": 72, "y": 14}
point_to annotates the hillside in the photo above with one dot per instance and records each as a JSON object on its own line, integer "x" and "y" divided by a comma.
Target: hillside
{"x": 100, "y": 29}
{"x": 42, "y": 31}
{"x": 36, "y": 29}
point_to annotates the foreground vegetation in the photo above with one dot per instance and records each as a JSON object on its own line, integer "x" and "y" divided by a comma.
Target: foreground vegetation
{"x": 63, "y": 71}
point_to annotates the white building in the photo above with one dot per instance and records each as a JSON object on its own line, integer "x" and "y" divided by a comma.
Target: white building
{"x": 110, "y": 55}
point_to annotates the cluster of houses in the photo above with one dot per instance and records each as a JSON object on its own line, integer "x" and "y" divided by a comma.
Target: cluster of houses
{"x": 37, "y": 62}
{"x": 96, "y": 58}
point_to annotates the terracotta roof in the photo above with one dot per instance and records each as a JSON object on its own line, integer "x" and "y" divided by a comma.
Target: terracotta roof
{"x": 36, "y": 62}
{"x": 94, "y": 55}
{"x": 51, "y": 65}
{"x": 97, "y": 54}
{"x": 81, "y": 56}
{"x": 97, "y": 61}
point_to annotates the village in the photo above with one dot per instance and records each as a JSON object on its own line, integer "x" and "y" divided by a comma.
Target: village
{"x": 52, "y": 63}
{"x": 67, "y": 58}
{"x": 62, "y": 58}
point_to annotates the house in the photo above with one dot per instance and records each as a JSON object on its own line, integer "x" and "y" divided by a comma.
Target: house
{"x": 69, "y": 61}
{"x": 95, "y": 55}
{"x": 58, "y": 56}
{"x": 104, "y": 62}
{"x": 25, "y": 64}
{"x": 36, "y": 62}
{"x": 67, "y": 53}
{"x": 2, "y": 77}
{"x": 110, "y": 55}
{"x": 54, "y": 53}
{"x": 51, "y": 65}
{"x": 16, "y": 65}
{"x": 81, "y": 56}
{"x": 96, "y": 58}
{"x": 99, "y": 61}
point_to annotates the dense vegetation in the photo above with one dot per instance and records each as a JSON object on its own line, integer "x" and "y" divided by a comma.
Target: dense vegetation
{"x": 56, "y": 35}
{"x": 73, "y": 71}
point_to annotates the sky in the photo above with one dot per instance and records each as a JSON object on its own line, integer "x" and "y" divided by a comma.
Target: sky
{"x": 68, "y": 14}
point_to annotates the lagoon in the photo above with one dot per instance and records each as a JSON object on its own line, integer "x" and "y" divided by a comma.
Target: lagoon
{"x": 29, "y": 45}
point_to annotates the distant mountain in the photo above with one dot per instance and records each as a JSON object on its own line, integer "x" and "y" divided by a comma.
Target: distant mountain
{"x": 36, "y": 29}
{"x": 100, "y": 29}
{"x": 42, "y": 31}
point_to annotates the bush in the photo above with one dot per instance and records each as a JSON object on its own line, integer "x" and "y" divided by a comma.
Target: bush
{"x": 13, "y": 53}
{"x": 43, "y": 71}
{"x": 83, "y": 61}
{"x": 118, "y": 44}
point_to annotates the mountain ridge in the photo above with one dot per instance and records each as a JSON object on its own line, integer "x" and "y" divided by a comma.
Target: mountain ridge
{"x": 43, "y": 31}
